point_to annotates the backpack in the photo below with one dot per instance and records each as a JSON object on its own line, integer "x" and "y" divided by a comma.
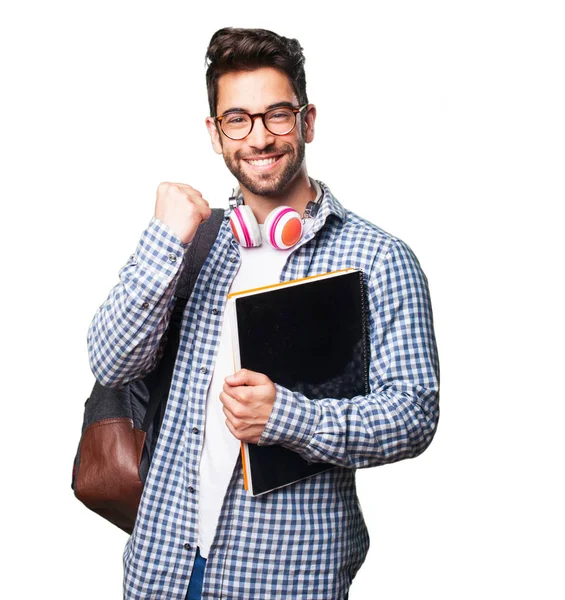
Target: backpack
{"x": 121, "y": 425}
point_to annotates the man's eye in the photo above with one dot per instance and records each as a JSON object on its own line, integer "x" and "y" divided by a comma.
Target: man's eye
{"x": 235, "y": 120}
{"x": 280, "y": 115}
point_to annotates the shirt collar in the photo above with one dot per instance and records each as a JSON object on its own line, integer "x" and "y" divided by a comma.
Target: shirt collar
{"x": 329, "y": 204}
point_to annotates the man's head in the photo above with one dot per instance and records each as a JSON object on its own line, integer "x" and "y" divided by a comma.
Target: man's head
{"x": 252, "y": 71}
{"x": 232, "y": 49}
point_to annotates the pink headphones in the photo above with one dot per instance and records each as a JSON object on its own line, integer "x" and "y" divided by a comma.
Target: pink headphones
{"x": 283, "y": 226}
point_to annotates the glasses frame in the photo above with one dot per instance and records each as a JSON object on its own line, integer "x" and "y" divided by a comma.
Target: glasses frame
{"x": 294, "y": 109}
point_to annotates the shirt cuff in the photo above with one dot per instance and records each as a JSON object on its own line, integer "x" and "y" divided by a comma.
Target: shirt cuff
{"x": 160, "y": 249}
{"x": 154, "y": 265}
{"x": 293, "y": 420}
{"x": 171, "y": 233}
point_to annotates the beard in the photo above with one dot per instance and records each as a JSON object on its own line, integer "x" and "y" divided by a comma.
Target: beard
{"x": 267, "y": 184}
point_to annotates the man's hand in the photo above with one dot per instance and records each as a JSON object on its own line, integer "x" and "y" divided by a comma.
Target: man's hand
{"x": 182, "y": 208}
{"x": 248, "y": 399}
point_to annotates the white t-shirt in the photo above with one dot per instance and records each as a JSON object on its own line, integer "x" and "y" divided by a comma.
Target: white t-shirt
{"x": 259, "y": 266}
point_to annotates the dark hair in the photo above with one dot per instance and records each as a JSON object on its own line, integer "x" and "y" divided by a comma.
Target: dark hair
{"x": 232, "y": 49}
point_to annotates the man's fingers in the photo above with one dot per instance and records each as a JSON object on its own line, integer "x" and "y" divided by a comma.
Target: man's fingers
{"x": 246, "y": 377}
{"x": 229, "y": 424}
{"x": 241, "y": 393}
{"x": 232, "y": 418}
{"x": 233, "y": 431}
{"x": 182, "y": 208}
{"x": 229, "y": 403}
{"x": 188, "y": 188}
{"x": 206, "y": 212}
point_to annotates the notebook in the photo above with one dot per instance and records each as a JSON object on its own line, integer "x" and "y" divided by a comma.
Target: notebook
{"x": 308, "y": 335}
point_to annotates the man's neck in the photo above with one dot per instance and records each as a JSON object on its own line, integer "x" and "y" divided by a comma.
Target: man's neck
{"x": 297, "y": 194}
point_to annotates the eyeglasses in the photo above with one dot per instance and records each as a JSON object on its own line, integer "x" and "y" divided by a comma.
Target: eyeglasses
{"x": 279, "y": 121}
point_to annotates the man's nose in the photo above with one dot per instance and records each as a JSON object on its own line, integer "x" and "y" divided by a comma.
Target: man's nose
{"x": 260, "y": 137}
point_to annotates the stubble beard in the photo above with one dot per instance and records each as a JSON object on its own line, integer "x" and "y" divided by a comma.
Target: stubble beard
{"x": 267, "y": 184}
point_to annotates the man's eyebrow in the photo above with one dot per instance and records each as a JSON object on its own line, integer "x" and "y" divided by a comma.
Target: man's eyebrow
{"x": 279, "y": 104}
{"x": 231, "y": 110}
{"x": 285, "y": 103}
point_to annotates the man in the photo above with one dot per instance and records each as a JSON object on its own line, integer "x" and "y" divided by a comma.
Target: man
{"x": 195, "y": 520}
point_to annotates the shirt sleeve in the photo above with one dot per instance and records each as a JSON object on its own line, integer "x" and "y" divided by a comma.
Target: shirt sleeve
{"x": 124, "y": 335}
{"x": 398, "y": 418}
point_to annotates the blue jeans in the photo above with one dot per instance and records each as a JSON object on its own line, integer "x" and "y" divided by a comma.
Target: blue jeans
{"x": 195, "y": 584}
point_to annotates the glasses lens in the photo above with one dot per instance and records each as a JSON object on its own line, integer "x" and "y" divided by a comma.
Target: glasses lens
{"x": 280, "y": 120}
{"x": 236, "y": 125}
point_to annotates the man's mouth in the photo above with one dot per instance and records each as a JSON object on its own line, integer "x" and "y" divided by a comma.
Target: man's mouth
{"x": 263, "y": 162}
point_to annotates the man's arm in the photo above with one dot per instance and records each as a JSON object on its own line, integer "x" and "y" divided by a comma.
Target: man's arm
{"x": 124, "y": 335}
{"x": 396, "y": 420}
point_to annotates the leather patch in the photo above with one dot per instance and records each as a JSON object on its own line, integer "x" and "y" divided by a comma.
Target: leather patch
{"x": 107, "y": 479}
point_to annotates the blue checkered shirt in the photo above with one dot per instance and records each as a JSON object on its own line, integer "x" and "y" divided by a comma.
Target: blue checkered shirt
{"x": 307, "y": 540}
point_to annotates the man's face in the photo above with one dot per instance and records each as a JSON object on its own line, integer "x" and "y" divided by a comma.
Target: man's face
{"x": 262, "y": 162}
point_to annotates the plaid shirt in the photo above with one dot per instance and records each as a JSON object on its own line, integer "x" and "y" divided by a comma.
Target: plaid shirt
{"x": 307, "y": 540}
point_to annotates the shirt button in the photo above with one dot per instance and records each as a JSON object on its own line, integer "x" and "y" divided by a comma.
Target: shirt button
{"x": 191, "y": 489}
{"x": 215, "y": 311}
{"x": 187, "y": 546}
{"x": 195, "y": 430}
{"x": 233, "y": 259}
{"x": 203, "y": 370}
{"x": 145, "y": 305}
{"x": 172, "y": 257}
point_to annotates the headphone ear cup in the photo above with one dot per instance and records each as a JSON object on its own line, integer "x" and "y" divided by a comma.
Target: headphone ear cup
{"x": 244, "y": 226}
{"x": 283, "y": 228}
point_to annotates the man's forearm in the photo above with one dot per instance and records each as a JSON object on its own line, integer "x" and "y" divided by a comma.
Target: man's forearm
{"x": 124, "y": 335}
{"x": 358, "y": 432}
{"x": 398, "y": 418}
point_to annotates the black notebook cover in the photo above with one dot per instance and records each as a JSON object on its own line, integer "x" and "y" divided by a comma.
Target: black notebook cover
{"x": 311, "y": 337}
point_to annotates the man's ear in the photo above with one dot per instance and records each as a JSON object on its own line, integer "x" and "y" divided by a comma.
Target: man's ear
{"x": 215, "y": 136}
{"x": 309, "y": 120}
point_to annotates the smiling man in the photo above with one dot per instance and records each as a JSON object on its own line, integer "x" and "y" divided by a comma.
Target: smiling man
{"x": 266, "y": 165}
{"x": 198, "y": 533}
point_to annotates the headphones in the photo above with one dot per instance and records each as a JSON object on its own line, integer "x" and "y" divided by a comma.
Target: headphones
{"x": 283, "y": 226}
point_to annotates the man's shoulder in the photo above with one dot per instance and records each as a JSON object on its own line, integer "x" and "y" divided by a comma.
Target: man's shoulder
{"x": 357, "y": 223}
{"x": 356, "y": 233}
{"x": 365, "y": 244}
{"x": 371, "y": 240}
{"x": 352, "y": 224}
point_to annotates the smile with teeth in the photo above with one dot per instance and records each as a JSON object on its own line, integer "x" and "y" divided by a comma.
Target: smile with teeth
{"x": 262, "y": 162}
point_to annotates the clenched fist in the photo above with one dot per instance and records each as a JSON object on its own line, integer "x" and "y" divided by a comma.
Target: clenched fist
{"x": 182, "y": 208}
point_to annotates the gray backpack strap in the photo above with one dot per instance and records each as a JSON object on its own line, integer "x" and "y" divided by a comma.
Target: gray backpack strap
{"x": 159, "y": 380}
{"x": 197, "y": 253}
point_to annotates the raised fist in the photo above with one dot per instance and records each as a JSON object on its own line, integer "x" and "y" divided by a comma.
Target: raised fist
{"x": 182, "y": 208}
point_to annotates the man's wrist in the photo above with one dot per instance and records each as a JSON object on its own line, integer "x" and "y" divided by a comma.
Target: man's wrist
{"x": 292, "y": 422}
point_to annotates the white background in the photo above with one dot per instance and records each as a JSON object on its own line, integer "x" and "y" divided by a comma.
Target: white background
{"x": 440, "y": 121}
